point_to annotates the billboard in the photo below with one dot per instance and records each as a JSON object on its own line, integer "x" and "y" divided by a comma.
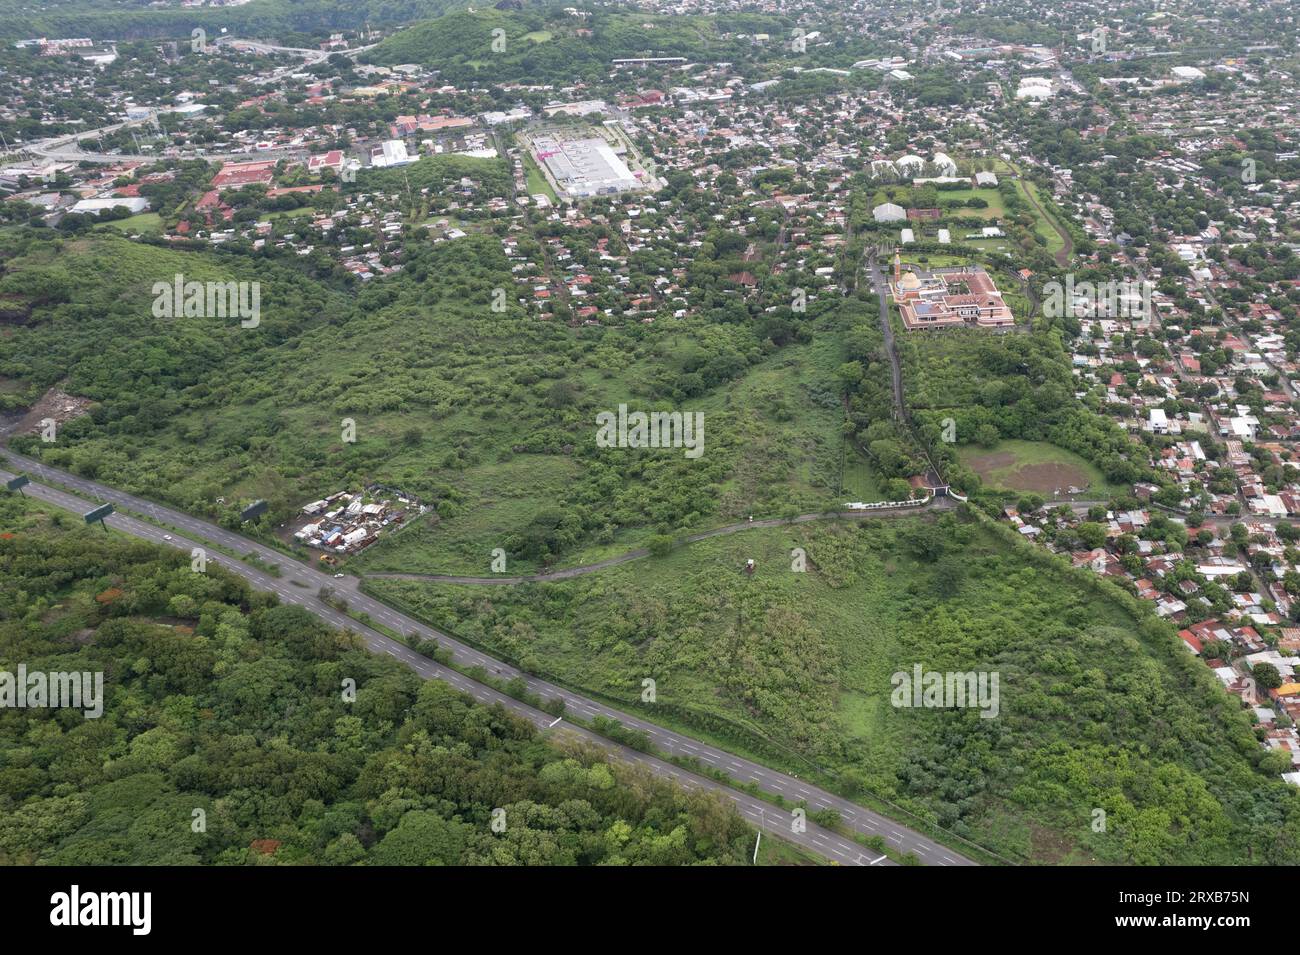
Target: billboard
{"x": 98, "y": 514}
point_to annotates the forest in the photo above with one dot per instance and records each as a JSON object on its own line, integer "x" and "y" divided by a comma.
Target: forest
{"x": 544, "y": 43}
{"x": 229, "y": 736}
{"x": 134, "y": 19}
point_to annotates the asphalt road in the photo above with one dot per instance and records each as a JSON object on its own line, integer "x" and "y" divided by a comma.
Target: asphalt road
{"x": 300, "y": 584}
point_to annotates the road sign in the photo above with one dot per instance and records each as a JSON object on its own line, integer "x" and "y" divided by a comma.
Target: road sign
{"x": 98, "y": 514}
{"x": 256, "y": 509}
{"x": 18, "y": 483}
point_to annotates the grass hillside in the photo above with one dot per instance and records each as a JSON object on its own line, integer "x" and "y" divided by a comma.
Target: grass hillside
{"x": 136, "y": 19}
{"x": 490, "y": 418}
{"x": 1100, "y": 705}
{"x": 545, "y": 43}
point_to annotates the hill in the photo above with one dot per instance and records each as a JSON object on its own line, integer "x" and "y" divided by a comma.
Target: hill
{"x": 140, "y": 19}
{"x": 1098, "y": 704}
{"x": 487, "y": 417}
{"x": 545, "y": 44}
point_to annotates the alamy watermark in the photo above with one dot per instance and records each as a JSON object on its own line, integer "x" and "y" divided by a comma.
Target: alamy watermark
{"x": 56, "y": 690}
{"x": 934, "y": 690}
{"x": 129, "y": 909}
{"x": 242, "y": 300}
{"x": 655, "y": 429}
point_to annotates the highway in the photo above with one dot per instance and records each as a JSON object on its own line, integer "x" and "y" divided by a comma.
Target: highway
{"x": 65, "y": 147}
{"x": 300, "y": 585}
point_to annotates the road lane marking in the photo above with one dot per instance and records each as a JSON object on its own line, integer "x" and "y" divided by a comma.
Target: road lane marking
{"x": 387, "y": 614}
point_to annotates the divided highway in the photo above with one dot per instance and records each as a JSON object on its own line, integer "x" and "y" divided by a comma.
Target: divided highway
{"x": 300, "y": 584}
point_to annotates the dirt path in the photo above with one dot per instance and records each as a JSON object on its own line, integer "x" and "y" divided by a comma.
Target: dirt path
{"x": 1067, "y": 250}
{"x": 934, "y": 504}
{"x": 901, "y": 412}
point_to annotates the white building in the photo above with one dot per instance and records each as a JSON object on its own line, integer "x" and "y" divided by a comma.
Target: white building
{"x": 910, "y": 163}
{"x": 889, "y": 212}
{"x": 496, "y": 117}
{"x": 1035, "y": 88}
{"x": 136, "y": 204}
{"x": 391, "y": 153}
{"x": 944, "y": 165}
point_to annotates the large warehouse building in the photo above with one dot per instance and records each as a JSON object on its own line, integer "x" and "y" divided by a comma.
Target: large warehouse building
{"x": 584, "y": 167}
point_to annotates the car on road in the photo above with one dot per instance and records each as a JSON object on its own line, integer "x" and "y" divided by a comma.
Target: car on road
{"x": 337, "y": 576}
{"x": 167, "y": 537}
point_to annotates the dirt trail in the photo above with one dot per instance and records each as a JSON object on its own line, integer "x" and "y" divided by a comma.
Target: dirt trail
{"x": 936, "y": 503}
{"x": 1063, "y": 256}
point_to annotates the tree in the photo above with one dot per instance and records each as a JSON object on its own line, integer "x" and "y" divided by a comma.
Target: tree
{"x": 925, "y": 540}
{"x": 1092, "y": 534}
{"x": 896, "y": 489}
{"x": 422, "y": 838}
{"x": 1029, "y": 503}
{"x": 1266, "y": 675}
{"x": 850, "y": 374}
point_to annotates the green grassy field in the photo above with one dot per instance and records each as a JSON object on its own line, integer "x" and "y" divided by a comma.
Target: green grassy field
{"x": 145, "y": 222}
{"x": 488, "y": 418}
{"x": 1003, "y": 245}
{"x": 537, "y": 182}
{"x": 936, "y": 260}
{"x": 995, "y": 209}
{"x": 861, "y": 480}
{"x": 781, "y": 451}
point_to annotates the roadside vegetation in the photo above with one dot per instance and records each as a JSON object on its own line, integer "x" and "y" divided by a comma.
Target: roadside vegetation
{"x": 226, "y": 739}
{"x": 1100, "y": 705}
